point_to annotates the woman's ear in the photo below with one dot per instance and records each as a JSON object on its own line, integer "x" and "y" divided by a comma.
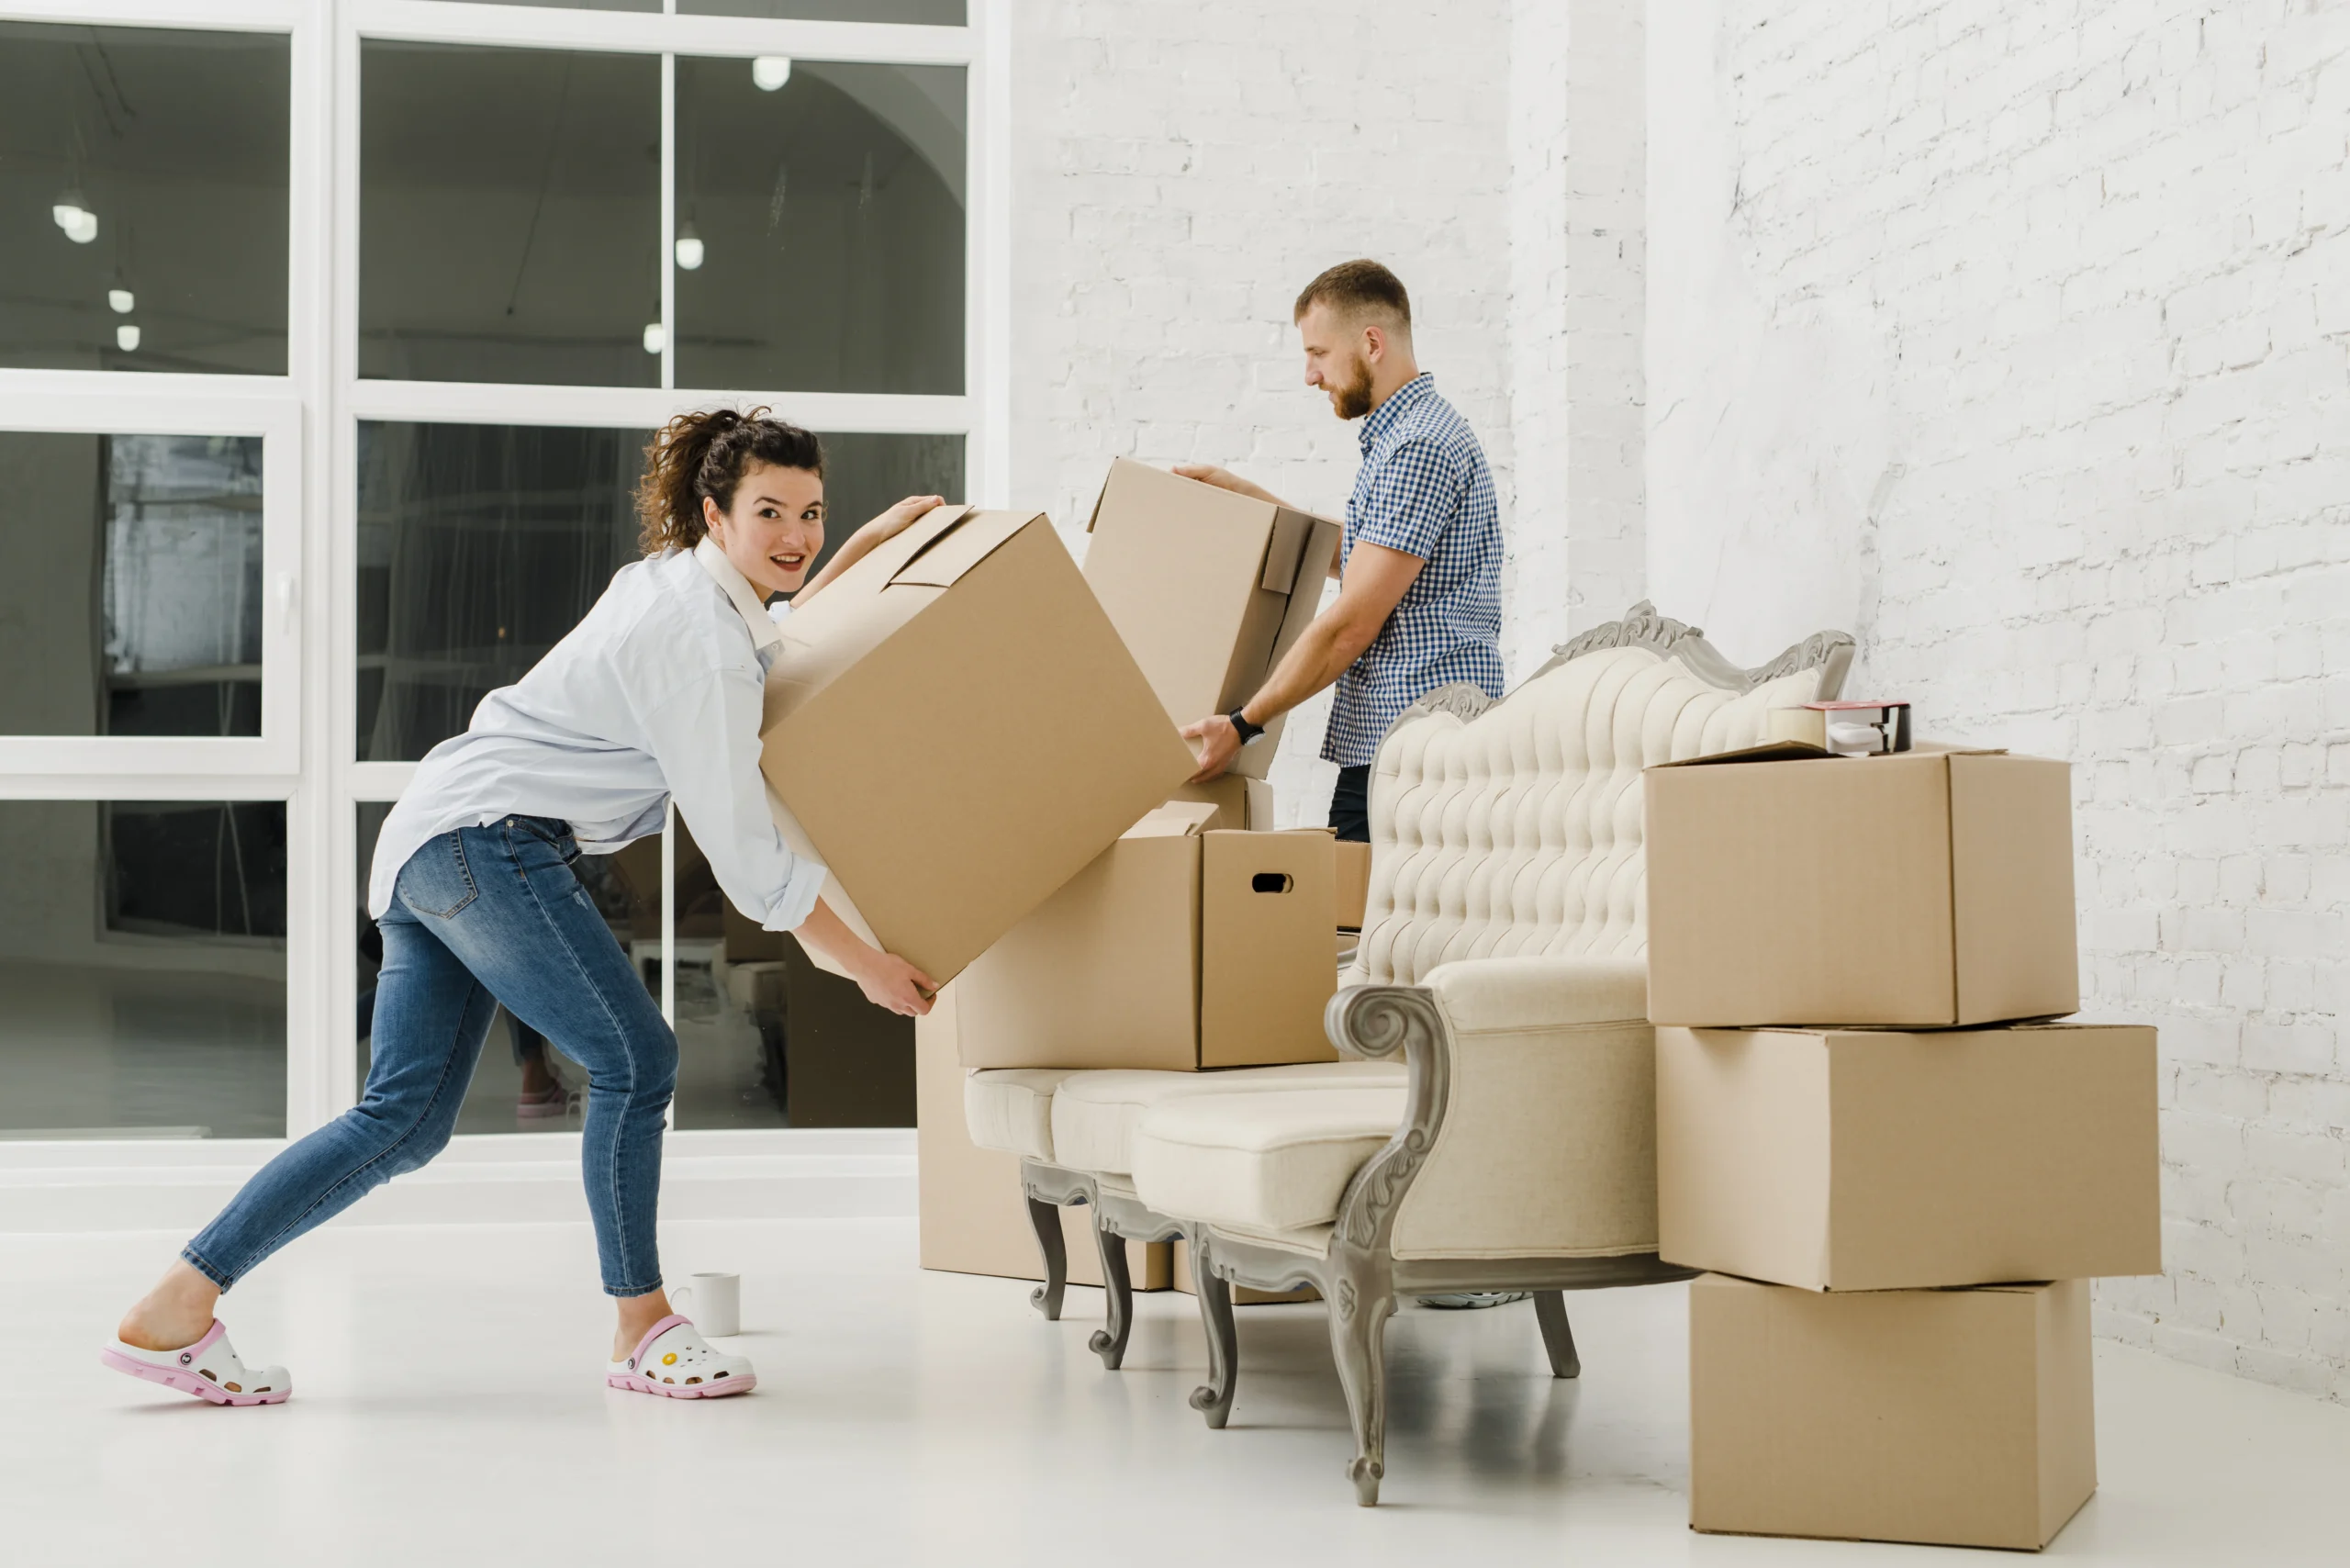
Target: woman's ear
{"x": 710, "y": 516}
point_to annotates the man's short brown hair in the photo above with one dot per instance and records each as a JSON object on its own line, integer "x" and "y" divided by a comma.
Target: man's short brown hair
{"x": 1354, "y": 289}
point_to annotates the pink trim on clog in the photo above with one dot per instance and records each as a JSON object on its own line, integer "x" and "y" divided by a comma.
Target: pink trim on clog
{"x": 179, "y": 1373}
{"x": 655, "y": 1333}
{"x": 640, "y": 1383}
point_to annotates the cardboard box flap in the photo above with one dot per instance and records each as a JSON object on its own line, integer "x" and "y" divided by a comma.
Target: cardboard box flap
{"x": 1285, "y": 550}
{"x": 1176, "y": 819}
{"x": 1799, "y": 751}
{"x": 886, "y": 560}
{"x": 952, "y": 550}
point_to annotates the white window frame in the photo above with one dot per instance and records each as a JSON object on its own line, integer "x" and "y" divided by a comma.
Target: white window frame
{"x": 70, "y": 406}
{"x": 309, "y": 419}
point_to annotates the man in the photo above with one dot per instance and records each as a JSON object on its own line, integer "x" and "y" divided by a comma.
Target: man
{"x": 1419, "y": 570}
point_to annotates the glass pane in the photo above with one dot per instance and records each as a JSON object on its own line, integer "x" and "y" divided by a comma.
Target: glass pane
{"x": 936, "y": 13}
{"x": 132, "y": 602}
{"x": 509, "y": 214}
{"x": 481, "y": 545}
{"x": 523, "y": 1083}
{"x": 766, "y": 1040}
{"x": 573, "y": 4}
{"x": 142, "y": 969}
{"x": 820, "y": 226}
{"x": 144, "y": 178}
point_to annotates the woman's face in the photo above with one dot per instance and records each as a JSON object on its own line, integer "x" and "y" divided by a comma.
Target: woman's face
{"x": 775, "y": 527}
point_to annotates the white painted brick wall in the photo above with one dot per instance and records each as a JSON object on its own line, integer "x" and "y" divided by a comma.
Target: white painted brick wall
{"x": 1179, "y": 172}
{"x": 2016, "y": 338}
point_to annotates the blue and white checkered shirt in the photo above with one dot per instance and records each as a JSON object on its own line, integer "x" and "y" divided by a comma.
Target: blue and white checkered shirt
{"x": 1425, "y": 491}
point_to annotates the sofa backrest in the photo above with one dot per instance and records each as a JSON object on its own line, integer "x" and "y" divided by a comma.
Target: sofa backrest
{"x": 1510, "y": 827}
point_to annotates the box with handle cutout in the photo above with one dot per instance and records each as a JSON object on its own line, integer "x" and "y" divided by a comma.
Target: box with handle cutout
{"x": 1179, "y": 948}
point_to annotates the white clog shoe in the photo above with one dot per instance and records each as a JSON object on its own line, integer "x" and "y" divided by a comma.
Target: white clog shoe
{"x": 676, "y": 1363}
{"x": 210, "y": 1369}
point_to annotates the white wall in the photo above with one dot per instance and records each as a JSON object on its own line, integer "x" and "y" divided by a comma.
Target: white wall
{"x": 2012, "y": 339}
{"x": 1180, "y": 173}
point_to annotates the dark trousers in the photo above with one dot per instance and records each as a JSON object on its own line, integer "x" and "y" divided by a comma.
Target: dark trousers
{"x": 1350, "y": 805}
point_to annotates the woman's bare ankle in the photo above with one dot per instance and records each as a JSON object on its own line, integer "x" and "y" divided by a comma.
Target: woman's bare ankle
{"x": 637, "y": 1314}
{"x": 172, "y": 1316}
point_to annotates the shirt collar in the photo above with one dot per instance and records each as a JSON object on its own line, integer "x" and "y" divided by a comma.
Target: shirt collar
{"x": 1382, "y": 420}
{"x": 745, "y": 599}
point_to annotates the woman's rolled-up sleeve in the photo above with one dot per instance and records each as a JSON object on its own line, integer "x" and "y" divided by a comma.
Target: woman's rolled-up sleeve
{"x": 705, "y": 735}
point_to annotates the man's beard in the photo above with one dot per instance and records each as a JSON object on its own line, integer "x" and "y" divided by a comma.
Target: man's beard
{"x": 1352, "y": 400}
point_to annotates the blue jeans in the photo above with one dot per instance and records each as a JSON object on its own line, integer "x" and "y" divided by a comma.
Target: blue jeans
{"x": 480, "y": 916}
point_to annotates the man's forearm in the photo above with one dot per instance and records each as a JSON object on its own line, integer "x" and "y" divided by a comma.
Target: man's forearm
{"x": 1318, "y": 657}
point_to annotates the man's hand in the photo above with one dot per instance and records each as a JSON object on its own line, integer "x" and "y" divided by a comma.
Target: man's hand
{"x": 1224, "y": 479}
{"x": 1219, "y": 743}
{"x": 889, "y": 981}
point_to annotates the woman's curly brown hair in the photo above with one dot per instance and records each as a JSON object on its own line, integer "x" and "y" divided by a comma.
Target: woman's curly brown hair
{"x": 707, "y": 453}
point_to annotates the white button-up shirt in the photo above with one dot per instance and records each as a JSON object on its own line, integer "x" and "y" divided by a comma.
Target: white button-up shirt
{"x": 656, "y": 693}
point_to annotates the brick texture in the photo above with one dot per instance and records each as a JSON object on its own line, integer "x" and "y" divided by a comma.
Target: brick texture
{"x": 2016, "y": 338}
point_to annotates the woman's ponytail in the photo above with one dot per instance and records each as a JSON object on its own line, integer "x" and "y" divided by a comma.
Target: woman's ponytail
{"x": 706, "y": 454}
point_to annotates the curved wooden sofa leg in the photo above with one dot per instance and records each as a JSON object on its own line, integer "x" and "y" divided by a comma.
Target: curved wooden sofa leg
{"x": 1046, "y": 1219}
{"x": 1110, "y": 1343}
{"x": 1213, "y": 1398}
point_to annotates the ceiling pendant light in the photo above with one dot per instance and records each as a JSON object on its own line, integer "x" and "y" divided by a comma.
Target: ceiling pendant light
{"x": 125, "y": 337}
{"x": 689, "y": 248}
{"x": 72, "y": 213}
{"x": 770, "y": 72}
{"x": 120, "y": 300}
{"x": 656, "y": 337}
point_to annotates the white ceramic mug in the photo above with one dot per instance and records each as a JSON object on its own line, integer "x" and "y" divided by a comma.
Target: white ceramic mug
{"x": 713, "y": 1301}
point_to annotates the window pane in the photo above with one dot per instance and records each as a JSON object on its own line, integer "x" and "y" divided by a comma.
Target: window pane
{"x": 573, "y": 4}
{"x": 132, "y": 601}
{"x": 144, "y": 178}
{"x": 822, "y": 215}
{"x": 142, "y": 969}
{"x": 522, "y": 1083}
{"x": 481, "y": 545}
{"x": 510, "y": 224}
{"x": 936, "y": 13}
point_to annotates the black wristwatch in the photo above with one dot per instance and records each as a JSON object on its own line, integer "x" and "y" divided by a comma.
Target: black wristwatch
{"x": 1238, "y": 720}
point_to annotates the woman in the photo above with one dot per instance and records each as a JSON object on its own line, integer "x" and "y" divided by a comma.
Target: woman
{"x": 654, "y": 695}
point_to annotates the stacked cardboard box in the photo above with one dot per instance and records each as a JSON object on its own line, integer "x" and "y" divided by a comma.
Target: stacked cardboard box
{"x": 1899, "y": 1175}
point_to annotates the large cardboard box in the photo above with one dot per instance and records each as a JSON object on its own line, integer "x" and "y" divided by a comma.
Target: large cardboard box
{"x": 1177, "y": 948}
{"x": 1926, "y": 888}
{"x": 1208, "y": 587}
{"x": 974, "y": 1217}
{"x": 1957, "y": 1418}
{"x": 1868, "y": 1160}
{"x": 1241, "y": 803}
{"x": 954, "y": 729}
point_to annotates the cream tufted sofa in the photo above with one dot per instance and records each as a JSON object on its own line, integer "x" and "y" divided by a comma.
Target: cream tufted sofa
{"x": 1494, "y": 1128}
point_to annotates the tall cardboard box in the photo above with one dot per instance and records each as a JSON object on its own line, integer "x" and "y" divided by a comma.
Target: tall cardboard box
{"x": 1956, "y": 1417}
{"x": 1922, "y": 889}
{"x": 1178, "y": 949}
{"x": 1868, "y": 1160}
{"x": 974, "y": 1216}
{"x": 1208, "y": 587}
{"x": 954, "y": 729}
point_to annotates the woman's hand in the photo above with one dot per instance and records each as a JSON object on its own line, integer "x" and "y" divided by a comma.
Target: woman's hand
{"x": 892, "y": 523}
{"x": 889, "y": 981}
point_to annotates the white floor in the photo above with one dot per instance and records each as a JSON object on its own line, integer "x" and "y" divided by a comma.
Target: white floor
{"x": 907, "y": 1417}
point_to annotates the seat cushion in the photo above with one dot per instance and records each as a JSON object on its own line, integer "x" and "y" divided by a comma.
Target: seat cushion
{"x": 1011, "y": 1108}
{"x": 1269, "y": 1161}
{"x": 1096, "y": 1114}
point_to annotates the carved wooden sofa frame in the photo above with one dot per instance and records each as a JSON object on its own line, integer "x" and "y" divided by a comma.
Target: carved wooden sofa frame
{"x": 1358, "y": 1272}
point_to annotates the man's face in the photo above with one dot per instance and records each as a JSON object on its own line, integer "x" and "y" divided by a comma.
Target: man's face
{"x": 1337, "y": 359}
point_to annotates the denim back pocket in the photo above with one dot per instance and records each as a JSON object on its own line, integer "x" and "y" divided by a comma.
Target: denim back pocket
{"x": 436, "y": 880}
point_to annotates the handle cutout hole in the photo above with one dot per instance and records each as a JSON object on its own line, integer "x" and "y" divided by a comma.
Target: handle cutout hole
{"x": 1271, "y": 882}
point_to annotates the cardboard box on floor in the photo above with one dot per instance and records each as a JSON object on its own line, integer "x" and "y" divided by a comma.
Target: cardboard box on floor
{"x": 1954, "y": 1417}
{"x": 1921, "y": 888}
{"x": 974, "y": 1216}
{"x": 1872, "y": 1159}
{"x": 1208, "y": 587}
{"x": 1241, "y": 803}
{"x": 954, "y": 728}
{"x": 1178, "y": 949}
{"x": 1354, "y": 883}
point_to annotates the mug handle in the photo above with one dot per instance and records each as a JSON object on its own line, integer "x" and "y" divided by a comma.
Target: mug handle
{"x": 678, "y": 1297}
